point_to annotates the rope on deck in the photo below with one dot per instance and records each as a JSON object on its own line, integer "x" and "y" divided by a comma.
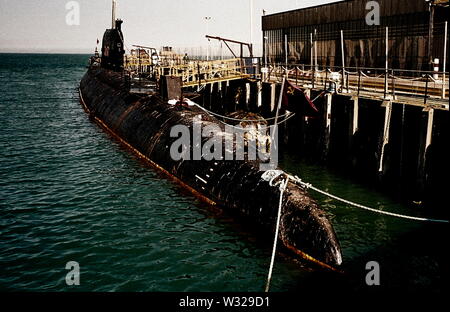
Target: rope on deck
{"x": 309, "y": 186}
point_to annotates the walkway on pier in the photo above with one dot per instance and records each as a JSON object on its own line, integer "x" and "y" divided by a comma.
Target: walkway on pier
{"x": 420, "y": 88}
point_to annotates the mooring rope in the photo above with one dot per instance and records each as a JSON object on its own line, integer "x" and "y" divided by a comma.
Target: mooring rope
{"x": 410, "y": 79}
{"x": 234, "y": 119}
{"x": 282, "y": 187}
{"x": 289, "y": 116}
{"x": 320, "y": 95}
{"x": 367, "y": 76}
{"x": 310, "y": 186}
{"x": 351, "y": 73}
{"x": 271, "y": 175}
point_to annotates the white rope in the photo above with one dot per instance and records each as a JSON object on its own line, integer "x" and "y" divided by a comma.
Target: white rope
{"x": 283, "y": 121}
{"x": 405, "y": 79}
{"x": 283, "y": 185}
{"x": 235, "y": 119}
{"x": 431, "y": 77}
{"x": 271, "y": 175}
{"x": 351, "y": 73}
{"x": 289, "y": 116}
{"x": 309, "y": 186}
{"x": 367, "y": 76}
{"x": 320, "y": 94}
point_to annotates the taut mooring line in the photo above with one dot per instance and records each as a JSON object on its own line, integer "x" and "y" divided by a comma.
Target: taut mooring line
{"x": 283, "y": 185}
{"x": 309, "y": 186}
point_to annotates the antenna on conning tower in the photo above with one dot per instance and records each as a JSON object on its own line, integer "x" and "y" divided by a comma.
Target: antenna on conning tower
{"x": 113, "y": 14}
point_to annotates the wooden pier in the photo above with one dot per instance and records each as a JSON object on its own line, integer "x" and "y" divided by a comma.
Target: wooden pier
{"x": 419, "y": 88}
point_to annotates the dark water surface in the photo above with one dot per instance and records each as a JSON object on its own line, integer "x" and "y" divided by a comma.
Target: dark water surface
{"x": 68, "y": 192}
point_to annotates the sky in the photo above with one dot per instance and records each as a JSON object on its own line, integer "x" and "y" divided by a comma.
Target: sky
{"x": 41, "y": 25}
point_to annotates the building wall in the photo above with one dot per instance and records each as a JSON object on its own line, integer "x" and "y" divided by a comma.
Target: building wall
{"x": 364, "y": 45}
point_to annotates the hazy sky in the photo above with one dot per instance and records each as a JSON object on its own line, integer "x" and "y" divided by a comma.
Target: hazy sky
{"x": 40, "y": 25}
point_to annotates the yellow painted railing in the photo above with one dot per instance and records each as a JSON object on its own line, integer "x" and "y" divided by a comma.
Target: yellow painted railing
{"x": 191, "y": 72}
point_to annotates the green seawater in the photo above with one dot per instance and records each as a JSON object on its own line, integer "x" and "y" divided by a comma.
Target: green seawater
{"x": 69, "y": 192}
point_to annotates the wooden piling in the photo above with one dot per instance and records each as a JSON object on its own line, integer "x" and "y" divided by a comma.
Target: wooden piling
{"x": 259, "y": 97}
{"x": 387, "y": 123}
{"x": 272, "y": 97}
{"x": 355, "y": 114}
{"x": 247, "y": 95}
{"x": 329, "y": 98}
{"x": 429, "y": 129}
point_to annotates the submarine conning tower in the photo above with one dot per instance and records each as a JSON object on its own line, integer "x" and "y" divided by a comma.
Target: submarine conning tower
{"x": 113, "y": 47}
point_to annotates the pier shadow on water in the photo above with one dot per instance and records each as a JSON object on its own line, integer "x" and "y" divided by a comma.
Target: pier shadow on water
{"x": 411, "y": 254}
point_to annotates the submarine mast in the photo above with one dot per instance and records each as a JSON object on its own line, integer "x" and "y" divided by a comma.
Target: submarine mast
{"x": 113, "y": 44}
{"x": 113, "y": 14}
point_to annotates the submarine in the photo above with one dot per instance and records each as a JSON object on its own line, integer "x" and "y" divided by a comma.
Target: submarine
{"x": 144, "y": 124}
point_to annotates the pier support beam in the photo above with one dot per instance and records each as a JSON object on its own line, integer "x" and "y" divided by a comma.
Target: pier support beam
{"x": 223, "y": 94}
{"x": 429, "y": 130}
{"x": 387, "y": 125}
{"x": 445, "y": 61}
{"x": 259, "y": 98}
{"x": 327, "y": 137}
{"x": 355, "y": 114}
{"x": 423, "y": 168}
{"x": 207, "y": 96}
{"x": 216, "y": 97}
{"x": 329, "y": 98}
{"x": 308, "y": 94}
{"x": 247, "y": 95}
{"x": 272, "y": 96}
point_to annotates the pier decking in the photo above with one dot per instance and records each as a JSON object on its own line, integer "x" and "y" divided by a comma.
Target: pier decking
{"x": 418, "y": 88}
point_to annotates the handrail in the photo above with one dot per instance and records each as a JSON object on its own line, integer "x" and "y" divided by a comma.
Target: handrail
{"x": 195, "y": 72}
{"x": 339, "y": 68}
{"x": 388, "y": 84}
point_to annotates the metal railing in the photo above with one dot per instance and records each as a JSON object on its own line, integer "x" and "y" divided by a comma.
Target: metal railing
{"x": 198, "y": 72}
{"x": 373, "y": 82}
{"x": 195, "y": 72}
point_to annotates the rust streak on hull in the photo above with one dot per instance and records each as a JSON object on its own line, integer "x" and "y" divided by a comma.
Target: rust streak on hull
{"x": 146, "y": 159}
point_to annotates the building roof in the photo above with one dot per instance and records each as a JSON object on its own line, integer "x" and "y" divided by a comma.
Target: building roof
{"x": 340, "y": 11}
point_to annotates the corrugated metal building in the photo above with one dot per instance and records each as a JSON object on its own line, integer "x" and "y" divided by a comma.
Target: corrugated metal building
{"x": 364, "y": 46}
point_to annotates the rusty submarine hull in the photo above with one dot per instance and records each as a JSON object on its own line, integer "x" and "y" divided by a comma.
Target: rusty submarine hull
{"x": 143, "y": 123}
